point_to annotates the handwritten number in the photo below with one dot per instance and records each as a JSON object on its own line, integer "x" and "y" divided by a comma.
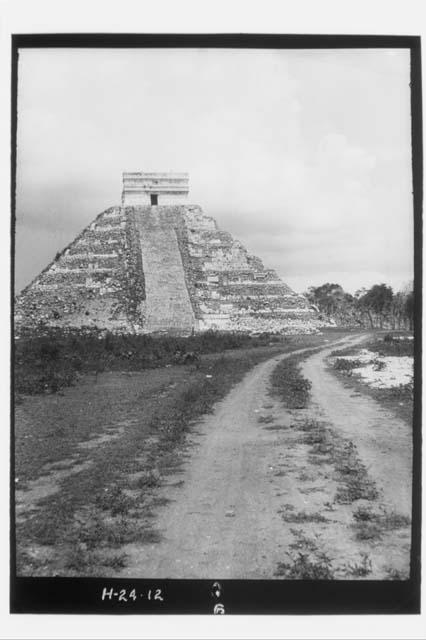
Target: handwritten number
{"x": 219, "y": 609}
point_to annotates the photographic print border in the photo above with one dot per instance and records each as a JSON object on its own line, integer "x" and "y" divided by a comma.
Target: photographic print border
{"x": 85, "y": 595}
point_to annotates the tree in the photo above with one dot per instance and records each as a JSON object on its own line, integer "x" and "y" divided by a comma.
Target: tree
{"x": 409, "y": 309}
{"x": 333, "y": 302}
{"x": 376, "y": 307}
{"x": 377, "y": 304}
{"x": 398, "y": 310}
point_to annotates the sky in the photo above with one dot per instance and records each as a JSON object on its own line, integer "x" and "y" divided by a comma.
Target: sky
{"x": 303, "y": 155}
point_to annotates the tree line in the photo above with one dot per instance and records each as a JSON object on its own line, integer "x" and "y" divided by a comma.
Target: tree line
{"x": 378, "y": 307}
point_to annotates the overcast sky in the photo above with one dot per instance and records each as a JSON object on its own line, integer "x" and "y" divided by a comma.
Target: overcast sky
{"x": 305, "y": 156}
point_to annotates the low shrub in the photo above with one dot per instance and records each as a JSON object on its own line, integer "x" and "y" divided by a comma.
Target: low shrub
{"x": 343, "y": 364}
{"x": 387, "y": 521}
{"x": 289, "y": 384}
{"x": 360, "y": 569}
{"x": 306, "y": 567}
{"x": 288, "y": 515}
{"x": 392, "y": 346}
{"x": 367, "y": 531}
{"x": 356, "y": 487}
{"x": 52, "y": 360}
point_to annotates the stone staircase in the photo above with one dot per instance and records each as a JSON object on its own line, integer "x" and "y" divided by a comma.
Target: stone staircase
{"x": 168, "y": 305}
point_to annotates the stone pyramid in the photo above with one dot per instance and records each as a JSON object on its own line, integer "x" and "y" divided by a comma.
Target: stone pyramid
{"x": 151, "y": 266}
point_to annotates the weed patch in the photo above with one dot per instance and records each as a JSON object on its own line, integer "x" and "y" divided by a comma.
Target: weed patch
{"x": 309, "y": 490}
{"x": 303, "y": 542}
{"x": 116, "y": 561}
{"x": 326, "y": 447}
{"x": 391, "y": 521}
{"x": 353, "y": 475}
{"x": 309, "y": 561}
{"x": 394, "y": 574}
{"x": 371, "y": 525}
{"x": 93, "y": 513}
{"x": 288, "y": 383}
{"x": 363, "y": 514}
{"x": 306, "y": 477}
{"x": 360, "y": 569}
{"x": 358, "y": 487}
{"x": 289, "y": 515}
{"x": 343, "y": 364}
{"x": 368, "y": 531}
{"x": 391, "y": 345}
{"x": 93, "y": 507}
{"x": 311, "y": 425}
{"x": 277, "y": 427}
{"x": 50, "y": 360}
{"x": 304, "y": 567}
{"x": 114, "y": 500}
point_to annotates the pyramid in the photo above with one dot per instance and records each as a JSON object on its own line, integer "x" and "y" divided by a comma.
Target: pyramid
{"x": 151, "y": 266}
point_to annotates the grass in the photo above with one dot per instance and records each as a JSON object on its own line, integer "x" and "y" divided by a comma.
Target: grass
{"x": 343, "y": 364}
{"x": 309, "y": 490}
{"x": 77, "y": 558}
{"x": 277, "y": 427}
{"x": 392, "y": 345}
{"x": 116, "y": 561}
{"x": 368, "y": 531}
{"x": 399, "y": 400}
{"x": 391, "y": 521}
{"x": 360, "y": 569}
{"x": 80, "y": 559}
{"x": 303, "y": 542}
{"x": 347, "y": 351}
{"x": 114, "y": 500}
{"x": 29, "y": 563}
{"x": 289, "y": 515}
{"x": 356, "y": 486}
{"x": 327, "y": 447}
{"x": 148, "y": 479}
{"x": 53, "y": 359}
{"x": 363, "y": 514}
{"x": 309, "y": 561}
{"x": 372, "y": 525}
{"x": 306, "y": 477}
{"x": 288, "y": 383}
{"x": 394, "y": 574}
{"x": 265, "y": 419}
{"x": 308, "y": 558}
{"x": 303, "y": 567}
{"x": 92, "y": 507}
{"x": 49, "y": 428}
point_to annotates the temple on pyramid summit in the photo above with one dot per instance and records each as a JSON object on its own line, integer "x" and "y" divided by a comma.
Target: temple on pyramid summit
{"x": 157, "y": 264}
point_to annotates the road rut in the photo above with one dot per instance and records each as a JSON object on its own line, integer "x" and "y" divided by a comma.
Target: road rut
{"x": 383, "y": 441}
{"x": 223, "y": 522}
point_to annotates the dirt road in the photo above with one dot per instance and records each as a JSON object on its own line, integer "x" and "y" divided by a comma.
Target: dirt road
{"x": 224, "y": 519}
{"x": 383, "y": 441}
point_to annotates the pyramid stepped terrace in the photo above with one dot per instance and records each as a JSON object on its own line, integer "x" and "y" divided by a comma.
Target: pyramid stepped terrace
{"x": 157, "y": 264}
